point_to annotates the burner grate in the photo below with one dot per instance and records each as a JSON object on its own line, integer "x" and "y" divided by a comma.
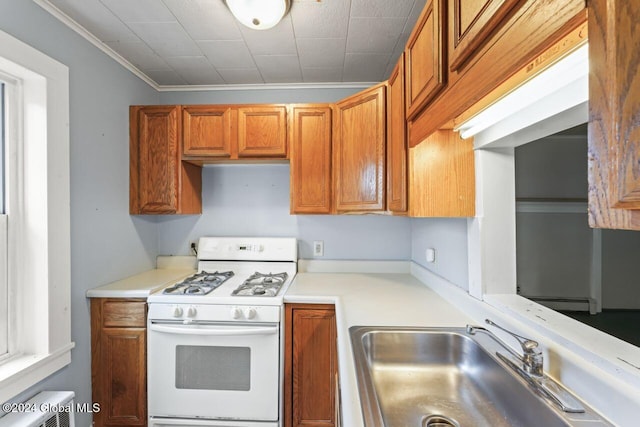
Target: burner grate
{"x": 261, "y": 284}
{"x": 200, "y": 283}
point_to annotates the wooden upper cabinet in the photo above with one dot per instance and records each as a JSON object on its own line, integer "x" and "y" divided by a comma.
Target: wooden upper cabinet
{"x": 359, "y": 151}
{"x": 425, "y": 58}
{"x": 207, "y": 130}
{"x": 470, "y": 24}
{"x": 396, "y": 142}
{"x": 310, "y": 158}
{"x": 522, "y": 39}
{"x": 614, "y": 125}
{"x": 160, "y": 183}
{"x": 442, "y": 176}
{"x": 262, "y": 131}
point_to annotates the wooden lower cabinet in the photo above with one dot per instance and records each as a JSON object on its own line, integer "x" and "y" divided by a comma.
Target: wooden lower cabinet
{"x": 310, "y": 366}
{"x": 118, "y": 361}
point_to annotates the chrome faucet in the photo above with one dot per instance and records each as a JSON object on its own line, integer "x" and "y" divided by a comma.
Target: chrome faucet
{"x": 532, "y": 368}
{"x": 532, "y": 358}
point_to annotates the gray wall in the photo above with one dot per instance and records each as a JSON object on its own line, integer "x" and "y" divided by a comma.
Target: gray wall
{"x": 554, "y": 250}
{"x": 251, "y": 96}
{"x": 106, "y": 243}
{"x": 254, "y": 199}
{"x": 245, "y": 200}
{"x": 448, "y": 236}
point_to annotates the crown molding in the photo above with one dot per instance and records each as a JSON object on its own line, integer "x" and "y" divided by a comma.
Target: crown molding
{"x": 69, "y": 22}
{"x": 75, "y": 26}
{"x": 266, "y": 86}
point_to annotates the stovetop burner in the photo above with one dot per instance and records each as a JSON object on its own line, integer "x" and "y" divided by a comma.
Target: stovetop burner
{"x": 261, "y": 284}
{"x": 200, "y": 283}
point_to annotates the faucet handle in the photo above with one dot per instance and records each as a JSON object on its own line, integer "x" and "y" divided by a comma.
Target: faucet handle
{"x": 529, "y": 346}
{"x": 532, "y": 358}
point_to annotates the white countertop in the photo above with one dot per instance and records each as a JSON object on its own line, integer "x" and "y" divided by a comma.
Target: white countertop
{"x": 170, "y": 270}
{"x": 397, "y": 293}
{"x": 371, "y": 300}
{"x": 140, "y": 285}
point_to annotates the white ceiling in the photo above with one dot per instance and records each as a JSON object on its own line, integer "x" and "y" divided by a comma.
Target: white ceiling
{"x": 199, "y": 43}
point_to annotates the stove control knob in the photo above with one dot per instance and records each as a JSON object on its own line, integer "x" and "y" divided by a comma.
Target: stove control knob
{"x": 177, "y": 311}
{"x": 251, "y": 313}
{"x": 236, "y": 313}
{"x": 192, "y": 311}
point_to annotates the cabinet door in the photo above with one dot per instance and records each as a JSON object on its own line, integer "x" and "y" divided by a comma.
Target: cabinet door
{"x": 160, "y": 183}
{"x": 396, "y": 142}
{"x": 471, "y": 23}
{"x": 262, "y": 131}
{"x": 206, "y": 130}
{"x": 310, "y": 366}
{"x": 359, "y": 151}
{"x": 442, "y": 176}
{"x": 425, "y": 58}
{"x": 118, "y": 362}
{"x": 310, "y": 155}
{"x": 614, "y": 125}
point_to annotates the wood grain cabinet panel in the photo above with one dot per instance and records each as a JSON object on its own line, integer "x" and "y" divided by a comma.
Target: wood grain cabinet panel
{"x": 359, "y": 151}
{"x": 207, "y": 130}
{"x": 262, "y": 131}
{"x": 425, "y": 58}
{"x": 160, "y": 183}
{"x": 396, "y": 142}
{"x": 118, "y": 361}
{"x": 442, "y": 176}
{"x": 471, "y": 22}
{"x": 614, "y": 123}
{"x": 310, "y": 366}
{"x": 520, "y": 41}
{"x": 310, "y": 139}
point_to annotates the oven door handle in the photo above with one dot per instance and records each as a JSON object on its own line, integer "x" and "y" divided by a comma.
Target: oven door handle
{"x": 235, "y": 331}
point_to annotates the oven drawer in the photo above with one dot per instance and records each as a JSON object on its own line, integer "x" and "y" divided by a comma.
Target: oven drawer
{"x": 167, "y": 422}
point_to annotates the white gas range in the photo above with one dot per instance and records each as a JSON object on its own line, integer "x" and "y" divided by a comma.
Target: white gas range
{"x": 214, "y": 338}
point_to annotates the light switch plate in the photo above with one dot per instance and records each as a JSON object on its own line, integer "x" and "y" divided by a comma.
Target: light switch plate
{"x": 318, "y": 248}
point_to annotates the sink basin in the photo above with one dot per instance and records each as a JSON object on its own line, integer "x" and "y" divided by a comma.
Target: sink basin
{"x": 434, "y": 377}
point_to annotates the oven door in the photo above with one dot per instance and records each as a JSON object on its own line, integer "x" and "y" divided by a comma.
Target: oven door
{"x": 215, "y": 371}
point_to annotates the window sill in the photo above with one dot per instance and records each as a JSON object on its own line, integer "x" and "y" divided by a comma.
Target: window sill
{"x": 22, "y": 372}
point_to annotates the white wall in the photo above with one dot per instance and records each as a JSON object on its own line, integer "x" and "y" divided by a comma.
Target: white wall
{"x": 106, "y": 243}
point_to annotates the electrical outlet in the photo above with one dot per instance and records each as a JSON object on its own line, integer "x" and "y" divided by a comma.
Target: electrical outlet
{"x": 318, "y": 248}
{"x": 430, "y": 255}
{"x": 193, "y": 248}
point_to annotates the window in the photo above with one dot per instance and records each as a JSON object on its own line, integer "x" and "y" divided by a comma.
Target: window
{"x": 4, "y": 293}
{"x": 35, "y": 323}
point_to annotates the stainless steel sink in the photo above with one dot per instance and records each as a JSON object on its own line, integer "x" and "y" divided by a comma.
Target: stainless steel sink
{"x": 431, "y": 377}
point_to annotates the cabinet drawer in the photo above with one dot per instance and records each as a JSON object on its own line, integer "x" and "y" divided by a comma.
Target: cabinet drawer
{"x": 124, "y": 314}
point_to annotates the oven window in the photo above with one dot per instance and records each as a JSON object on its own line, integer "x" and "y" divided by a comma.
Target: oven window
{"x": 213, "y": 367}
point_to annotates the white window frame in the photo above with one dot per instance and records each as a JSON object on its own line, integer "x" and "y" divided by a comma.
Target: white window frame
{"x": 38, "y": 254}
{"x": 4, "y": 238}
{"x": 492, "y": 237}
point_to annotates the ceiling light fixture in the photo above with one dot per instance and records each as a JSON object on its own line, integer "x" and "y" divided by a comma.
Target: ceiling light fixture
{"x": 259, "y": 14}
